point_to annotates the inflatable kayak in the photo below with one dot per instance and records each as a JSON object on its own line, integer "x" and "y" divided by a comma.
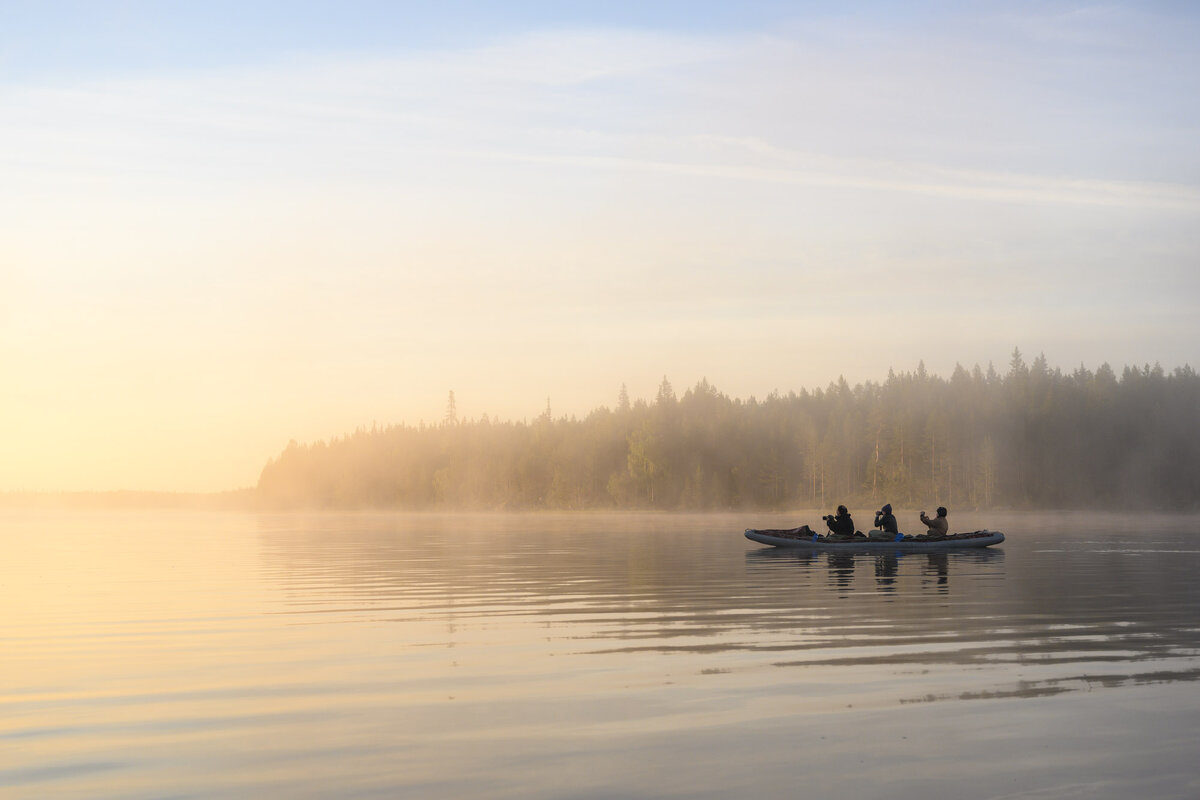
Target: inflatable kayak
{"x": 803, "y": 539}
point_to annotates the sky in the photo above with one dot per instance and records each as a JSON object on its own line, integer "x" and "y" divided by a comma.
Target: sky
{"x": 227, "y": 225}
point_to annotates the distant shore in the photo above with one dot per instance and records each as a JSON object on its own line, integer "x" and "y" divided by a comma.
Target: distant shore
{"x": 251, "y": 500}
{"x": 233, "y": 500}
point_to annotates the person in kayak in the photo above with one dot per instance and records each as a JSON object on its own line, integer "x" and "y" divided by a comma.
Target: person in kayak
{"x": 938, "y": 526}
{"x": 840, "y": 526}
{"x": 885, "y": 520}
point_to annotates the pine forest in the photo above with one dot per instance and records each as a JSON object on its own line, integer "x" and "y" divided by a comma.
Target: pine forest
{"x": 1032, "y": 437}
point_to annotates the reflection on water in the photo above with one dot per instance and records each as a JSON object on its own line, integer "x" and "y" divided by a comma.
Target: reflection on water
{"x": 1066, "y": 612}
{"x": 311, "y": 655}
{"x": 932, "y": 569}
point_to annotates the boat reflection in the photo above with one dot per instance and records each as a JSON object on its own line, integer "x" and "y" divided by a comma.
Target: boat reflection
{"x": 841, "y": 571}
{"x": 886, "y": 567}
{"x": 602, "y": 586}
{"x": 939, "y": 565}
{"x": 891, "y": 570}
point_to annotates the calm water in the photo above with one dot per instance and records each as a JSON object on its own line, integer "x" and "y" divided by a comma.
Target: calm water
{"x": 179, "y": 654}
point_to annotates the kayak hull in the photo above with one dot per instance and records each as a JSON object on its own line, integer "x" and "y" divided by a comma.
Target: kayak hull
{"x": 795, "y": 539}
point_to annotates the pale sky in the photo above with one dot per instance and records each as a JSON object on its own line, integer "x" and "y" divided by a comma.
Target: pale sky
{"x": 225, "y": 225}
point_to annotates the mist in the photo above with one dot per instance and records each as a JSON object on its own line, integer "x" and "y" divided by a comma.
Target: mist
{"x": 1032, "y": 437}
{"x": 206, "y": 252}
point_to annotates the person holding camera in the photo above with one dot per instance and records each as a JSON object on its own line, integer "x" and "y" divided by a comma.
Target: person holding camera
{"x": 885, "y": 520}
{"x": 938, "y": 526}
{"x": 841, "y": 525}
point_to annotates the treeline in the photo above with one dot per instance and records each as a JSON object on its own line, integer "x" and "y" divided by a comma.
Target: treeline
{"x": 1033, "y": 437}
{"x": 234, "y": 499}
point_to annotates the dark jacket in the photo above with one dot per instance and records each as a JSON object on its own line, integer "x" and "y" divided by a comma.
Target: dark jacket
{"x": 841, "y": 525}
{"x": 886, "y": 521}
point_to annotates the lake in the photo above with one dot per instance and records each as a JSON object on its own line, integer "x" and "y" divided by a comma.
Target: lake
{"x": 206, "y": 654}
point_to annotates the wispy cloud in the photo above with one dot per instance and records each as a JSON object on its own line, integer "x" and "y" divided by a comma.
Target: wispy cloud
{"x": 662, "y": 202}
{"x": 776, "y": 110}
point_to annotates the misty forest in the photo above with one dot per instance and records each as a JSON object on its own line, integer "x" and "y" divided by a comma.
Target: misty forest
{"x": 1032, "y": 437}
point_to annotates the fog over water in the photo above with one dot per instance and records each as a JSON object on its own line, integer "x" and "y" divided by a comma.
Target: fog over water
{"x": 221, "y": 229}
{"x": 387, "y": 388}
{"x": 1031, "y": 437}
{"x": 551, "y": 655}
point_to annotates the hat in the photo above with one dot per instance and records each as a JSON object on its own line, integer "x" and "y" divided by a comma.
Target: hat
{"x": 887, "y": 509}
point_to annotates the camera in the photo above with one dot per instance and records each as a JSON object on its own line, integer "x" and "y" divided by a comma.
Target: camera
{"x": 827, "y": 518}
